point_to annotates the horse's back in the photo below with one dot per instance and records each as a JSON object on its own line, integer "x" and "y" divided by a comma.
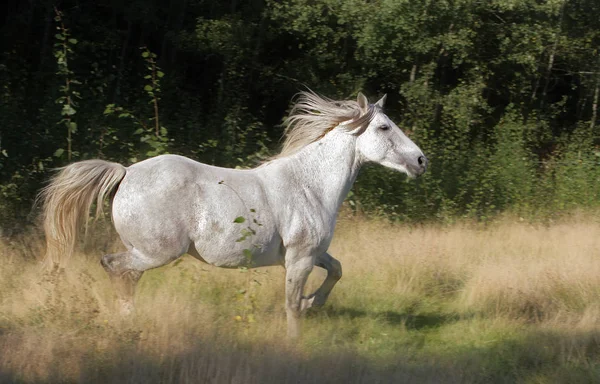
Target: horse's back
{"x": 165, "y": 172}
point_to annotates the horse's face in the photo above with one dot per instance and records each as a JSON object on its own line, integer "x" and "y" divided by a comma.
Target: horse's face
{"x": 384, "y": 143}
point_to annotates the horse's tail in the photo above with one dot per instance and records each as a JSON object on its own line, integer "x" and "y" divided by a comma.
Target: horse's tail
{"x": 67, "y": 201}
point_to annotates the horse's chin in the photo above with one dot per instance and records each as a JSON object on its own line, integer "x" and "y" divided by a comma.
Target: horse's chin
{"x": 402, "y": 168}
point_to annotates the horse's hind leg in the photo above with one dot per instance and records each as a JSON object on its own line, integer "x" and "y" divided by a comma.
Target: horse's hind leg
{"x": 334, "y": 273}
{"x": 297, "y": 271}
{"x": 124, "y": 277}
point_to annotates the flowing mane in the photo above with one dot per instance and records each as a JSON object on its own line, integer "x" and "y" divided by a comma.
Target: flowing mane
{"x": 313, "y": 116}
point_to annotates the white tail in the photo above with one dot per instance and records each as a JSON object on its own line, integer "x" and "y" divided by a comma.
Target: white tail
{"x": 67, "y": 201}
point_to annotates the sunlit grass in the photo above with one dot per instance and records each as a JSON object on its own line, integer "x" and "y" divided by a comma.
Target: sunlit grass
{"x": 509, "y": 302}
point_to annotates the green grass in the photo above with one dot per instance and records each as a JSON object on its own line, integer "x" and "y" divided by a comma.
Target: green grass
{"x": 431, "y": 305}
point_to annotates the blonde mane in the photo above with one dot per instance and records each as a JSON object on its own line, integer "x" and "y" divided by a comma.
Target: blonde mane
{"x": 313, "y": 116}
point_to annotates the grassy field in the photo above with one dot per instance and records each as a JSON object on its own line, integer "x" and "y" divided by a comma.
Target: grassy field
{"x": 508, "y": 302}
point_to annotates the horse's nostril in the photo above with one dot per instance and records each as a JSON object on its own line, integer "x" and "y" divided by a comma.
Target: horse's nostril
{"x": 422, "y": 160}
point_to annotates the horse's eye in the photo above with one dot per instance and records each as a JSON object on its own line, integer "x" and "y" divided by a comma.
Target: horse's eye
{"x": 384, "y": 127}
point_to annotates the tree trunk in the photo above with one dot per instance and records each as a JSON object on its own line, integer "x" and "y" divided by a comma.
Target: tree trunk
{"x": 178, "y": 26}
{"x": 595, "y": 105}
{"x": 413, "y": 72}
{"x": 552, "y": 55}
{"x": 164, "y": 46}
{"x": 257, "y": 48}
{"x": 124, "y": 51}
{"x": 46, "y": 36}
{"x": 596, "y": 95}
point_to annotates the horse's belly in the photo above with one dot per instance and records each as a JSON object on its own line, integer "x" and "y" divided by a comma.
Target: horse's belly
{"x": 247, "y": 253}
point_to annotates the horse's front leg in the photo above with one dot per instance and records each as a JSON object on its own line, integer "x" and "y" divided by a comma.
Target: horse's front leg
{"x": 298, "y": 266}
{"x": 334, "y": 273}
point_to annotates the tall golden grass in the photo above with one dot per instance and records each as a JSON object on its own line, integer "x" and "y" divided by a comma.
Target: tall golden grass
{"x": 503, "y": 302}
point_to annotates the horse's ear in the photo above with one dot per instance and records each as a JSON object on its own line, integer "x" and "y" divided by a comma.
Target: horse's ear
{"x": 381, "y": 101}
{"x": 362, "y": 101}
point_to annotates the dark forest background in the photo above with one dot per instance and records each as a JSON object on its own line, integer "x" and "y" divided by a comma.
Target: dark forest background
{"x": 502, "y": 95}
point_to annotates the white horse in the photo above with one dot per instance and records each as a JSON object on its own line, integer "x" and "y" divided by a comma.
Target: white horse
{"x": 280, "y": 213}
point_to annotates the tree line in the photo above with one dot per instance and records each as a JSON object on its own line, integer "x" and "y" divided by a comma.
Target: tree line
{"x": 502, "y": 95}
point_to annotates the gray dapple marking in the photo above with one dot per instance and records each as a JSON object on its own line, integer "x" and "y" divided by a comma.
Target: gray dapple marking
{"x": 168, "y": 205}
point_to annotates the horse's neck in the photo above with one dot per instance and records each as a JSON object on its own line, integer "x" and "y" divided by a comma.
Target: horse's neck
{"x": 328, "y": 168}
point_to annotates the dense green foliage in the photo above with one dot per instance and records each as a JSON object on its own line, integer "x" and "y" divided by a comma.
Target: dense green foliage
{"x": 502, "y": 95}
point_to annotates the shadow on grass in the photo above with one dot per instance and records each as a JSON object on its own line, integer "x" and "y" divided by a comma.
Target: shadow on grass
{"x": 409, "y": 320}
{"x": 536, "y": 357}
{"x": 225, "y": 361}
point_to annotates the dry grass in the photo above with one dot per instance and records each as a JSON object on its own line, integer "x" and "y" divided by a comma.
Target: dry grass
{"x": 510, "y": 302}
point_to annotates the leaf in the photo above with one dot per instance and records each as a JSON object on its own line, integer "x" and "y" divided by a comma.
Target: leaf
{"x": 109, "y": 109}
{"x": 148, "y": 88}
{"x": 68, "y": 110}
{"x": 59, "y": 152}
{"x": 72, "y": 126}
{"x": 239, "y": 219}
{"x": 73, "y": 41}
{"x": 160, "y": 74}
{"x": 145, "y": 54}
{"x": 138, "y": 131}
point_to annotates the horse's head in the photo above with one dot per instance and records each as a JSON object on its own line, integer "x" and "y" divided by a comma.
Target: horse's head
{"x": 384, "y": 143}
